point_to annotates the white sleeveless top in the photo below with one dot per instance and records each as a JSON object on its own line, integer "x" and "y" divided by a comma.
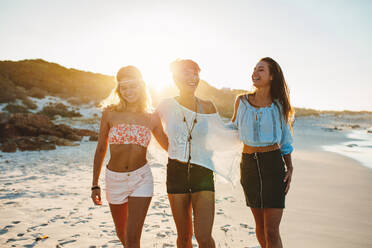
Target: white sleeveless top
{"x": 213, "y": 145}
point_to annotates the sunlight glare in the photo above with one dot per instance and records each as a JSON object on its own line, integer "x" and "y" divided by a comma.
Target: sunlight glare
{"x": 157, "y": 77}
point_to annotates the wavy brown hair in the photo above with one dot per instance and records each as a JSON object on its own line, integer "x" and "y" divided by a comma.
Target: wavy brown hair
{"x": 116, "y": 102}
{"x": 279, "y": 89}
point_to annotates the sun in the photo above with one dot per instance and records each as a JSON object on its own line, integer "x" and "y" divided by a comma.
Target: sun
{"x": 157, "y": 77}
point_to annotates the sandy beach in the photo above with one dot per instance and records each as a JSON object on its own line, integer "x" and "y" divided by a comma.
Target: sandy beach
{"x": 45, "y": 199}
{"x": 329, "y": 205}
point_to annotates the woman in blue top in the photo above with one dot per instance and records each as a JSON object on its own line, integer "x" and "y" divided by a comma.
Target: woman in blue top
{"x": 264, "y": 120}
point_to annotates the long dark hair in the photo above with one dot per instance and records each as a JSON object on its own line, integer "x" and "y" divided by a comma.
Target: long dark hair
{"x": 279, "y": 89}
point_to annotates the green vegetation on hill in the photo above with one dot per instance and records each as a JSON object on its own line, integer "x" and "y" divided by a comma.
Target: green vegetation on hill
{"x": 38, "y": 77}
{"x": 224, "y": 99}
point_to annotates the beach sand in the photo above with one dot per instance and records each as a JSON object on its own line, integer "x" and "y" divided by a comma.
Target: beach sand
{"x": 329, "y": 205}
{"x": 330, "y": 202}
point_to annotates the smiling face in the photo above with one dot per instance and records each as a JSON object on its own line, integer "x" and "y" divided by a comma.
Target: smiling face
{"x": 187, "y": 79}
{"x": 261, "y": 75}
{"x": 129, "y": 89}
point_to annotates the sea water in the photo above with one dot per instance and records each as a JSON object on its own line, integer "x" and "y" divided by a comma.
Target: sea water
{"x": 358, "y": 147}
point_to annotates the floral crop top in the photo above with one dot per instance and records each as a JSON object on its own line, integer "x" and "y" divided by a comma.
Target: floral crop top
{"x": 130, "y": 134}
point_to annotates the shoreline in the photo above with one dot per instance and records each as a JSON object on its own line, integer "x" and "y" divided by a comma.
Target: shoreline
{"x": 354, "y": 144}
{"x": 358, "y": 147}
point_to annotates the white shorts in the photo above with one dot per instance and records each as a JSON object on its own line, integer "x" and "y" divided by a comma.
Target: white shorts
{"x": 121, "y": 185}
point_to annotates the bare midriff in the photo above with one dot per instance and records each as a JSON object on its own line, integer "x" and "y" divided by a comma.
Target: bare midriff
{"x": 126, "y": 157}
{"x": 253, "y": 149}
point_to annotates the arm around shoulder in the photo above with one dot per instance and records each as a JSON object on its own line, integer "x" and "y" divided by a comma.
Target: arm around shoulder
{"x": 158, "y": 131}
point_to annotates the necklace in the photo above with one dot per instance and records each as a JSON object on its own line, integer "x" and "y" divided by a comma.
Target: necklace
{"x": 189, "y": 138}
{"x": 190, "y": 129}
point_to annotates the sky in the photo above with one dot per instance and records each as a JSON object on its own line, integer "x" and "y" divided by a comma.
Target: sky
{"x": 323, "y": 46}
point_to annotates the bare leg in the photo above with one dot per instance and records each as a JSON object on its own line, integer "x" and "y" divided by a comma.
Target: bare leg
{"x": 181, "y": 210}
{"x": 137, "y": 210}
{"x": 258, "y": 214}
{"x": 203, "y": 208}
{"x": 272, "y": 218}
{"x": 119, "y": 214}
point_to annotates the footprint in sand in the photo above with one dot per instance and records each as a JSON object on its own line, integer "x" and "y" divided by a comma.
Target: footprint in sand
{"x": 168, "y": 245}
{"x": 11, "y": 240}
{"x": 225, "y": 228}
{"x": 65, "y": 242}
{"x": 57, "y": 217}
{"x": 32, "y": 228}
{"x": 163, "y": 214}
{"x": 160, "y": 205}
{"x": 161, "y": 235}
{"x": 245, "y": 226}
{"x": 5, "y": 229}
{"x": 230, "y": 199}
{"x": 220, "y": 211}
{"x": 114, "y": 241}
{"x": 50, "y": 209}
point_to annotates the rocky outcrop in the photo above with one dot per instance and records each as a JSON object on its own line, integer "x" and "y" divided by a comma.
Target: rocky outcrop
{"x": 36, "y": 132}
{"x": 53, "y": 109}
{"x": 93, "y": 137}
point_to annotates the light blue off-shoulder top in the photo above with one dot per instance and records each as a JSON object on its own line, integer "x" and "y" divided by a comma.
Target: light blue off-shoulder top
{"x": 263, "y": 126}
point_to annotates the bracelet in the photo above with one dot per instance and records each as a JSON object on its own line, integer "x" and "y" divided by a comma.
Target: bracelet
{"x": 95, "y": 187}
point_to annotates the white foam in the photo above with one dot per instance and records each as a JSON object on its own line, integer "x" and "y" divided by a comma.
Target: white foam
{"x": 359, "y": 147}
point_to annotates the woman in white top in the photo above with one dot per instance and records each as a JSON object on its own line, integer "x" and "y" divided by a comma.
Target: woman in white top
{"x": 190, "y": 178}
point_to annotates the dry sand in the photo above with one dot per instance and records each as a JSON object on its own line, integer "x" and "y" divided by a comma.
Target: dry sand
{"x": 329, "y": 205}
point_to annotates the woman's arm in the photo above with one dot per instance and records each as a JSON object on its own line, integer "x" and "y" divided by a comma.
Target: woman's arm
{"x": 286, "y": 150}
{"x": 236, "y": 106}
{"x": 288, "y": 174}
{"x": 158, "y": 131}
{"x": 99, "y": 156}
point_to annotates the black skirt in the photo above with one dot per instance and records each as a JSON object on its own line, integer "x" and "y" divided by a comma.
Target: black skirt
{"x": 262, "y": 176}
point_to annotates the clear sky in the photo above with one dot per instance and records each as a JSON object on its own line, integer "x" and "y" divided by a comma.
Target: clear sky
{"x": 324, "y": 47}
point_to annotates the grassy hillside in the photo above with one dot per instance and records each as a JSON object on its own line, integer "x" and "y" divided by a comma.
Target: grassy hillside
{"x": 39, "y": 78}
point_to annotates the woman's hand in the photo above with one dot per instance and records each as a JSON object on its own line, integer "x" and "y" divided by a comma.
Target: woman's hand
{"x": 96, "y": 196}
{"x": 288, "y": 178}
